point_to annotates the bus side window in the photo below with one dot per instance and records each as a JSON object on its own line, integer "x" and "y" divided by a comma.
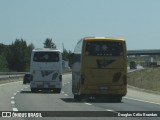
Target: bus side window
{"x": 74, "y": 58}
{"x": 35, "y": 57}
{"x": 71, "y": 60}
{"x": 90, "y": 49}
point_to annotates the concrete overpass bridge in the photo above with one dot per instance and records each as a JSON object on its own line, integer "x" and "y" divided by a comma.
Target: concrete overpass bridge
{"x": 149, "y": 62}
{"x": 144, "y": 52}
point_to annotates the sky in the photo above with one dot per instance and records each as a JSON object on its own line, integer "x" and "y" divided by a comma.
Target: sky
{"x": 67, "y": 21}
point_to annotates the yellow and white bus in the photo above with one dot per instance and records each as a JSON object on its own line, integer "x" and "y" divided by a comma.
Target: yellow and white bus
{"x": 100, "y": 68}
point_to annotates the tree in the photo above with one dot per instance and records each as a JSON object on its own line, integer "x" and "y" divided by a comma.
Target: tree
{"x": 29, "y": 49}
{"x": 66, "y": 54}
{"x": 3, "y": 64}
{"x": 18, "y": 56}
{"x": 49, "y": 44}
{"x": 15, "y": 57}
{"x": 19, "y": 61}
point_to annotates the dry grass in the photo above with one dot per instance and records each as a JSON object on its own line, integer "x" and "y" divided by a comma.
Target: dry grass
{"x": 147, "y": 79}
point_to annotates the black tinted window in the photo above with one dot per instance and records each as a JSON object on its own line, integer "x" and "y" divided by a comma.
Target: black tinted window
{"x": 104, "y": 48}
{"x": 46, "y": 57}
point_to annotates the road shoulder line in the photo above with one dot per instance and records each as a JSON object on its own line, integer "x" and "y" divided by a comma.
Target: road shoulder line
{"x": 142, "y": 100}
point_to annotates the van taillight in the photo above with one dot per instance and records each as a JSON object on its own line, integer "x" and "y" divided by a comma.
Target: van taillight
{"x": 60, "y": 78}
{"x": 125, "y": 79}
{"x": 82, "y": 78}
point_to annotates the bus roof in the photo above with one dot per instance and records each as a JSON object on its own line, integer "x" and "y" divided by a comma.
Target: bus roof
{"x": 102, "y": 38}
{"x": 45, "y": 49}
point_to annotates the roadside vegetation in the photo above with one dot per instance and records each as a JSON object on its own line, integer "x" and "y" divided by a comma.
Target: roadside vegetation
{"x": 148, "y": 79}
{"x": 16, "y": 56}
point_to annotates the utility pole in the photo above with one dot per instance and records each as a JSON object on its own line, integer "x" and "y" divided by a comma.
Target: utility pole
{"x": 63, "y": 47}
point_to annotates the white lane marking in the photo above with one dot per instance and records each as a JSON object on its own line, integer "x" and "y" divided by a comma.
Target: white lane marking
{"x": 88, "y": 103}
{"x": 142, "y": 100}
{"x": 12, "y": 97}
{"x": 12, "y": 102}
{"x": 9, "y": 83}
{"x": 66, "y": 94}
{"x": 15, "y": 94}
{"x": 14, "y": 109}
{"x": 18, "y": 91}
{"x": 110, "y": 110}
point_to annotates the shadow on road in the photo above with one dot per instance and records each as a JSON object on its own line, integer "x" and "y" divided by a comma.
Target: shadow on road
{"x": 38, "y": 92}
{"x": 72, "y": 100}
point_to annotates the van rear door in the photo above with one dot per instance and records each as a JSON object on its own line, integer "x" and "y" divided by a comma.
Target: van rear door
{"x": 46, "y": 66}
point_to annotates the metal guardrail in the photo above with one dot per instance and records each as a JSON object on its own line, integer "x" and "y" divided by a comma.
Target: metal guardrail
{"x": 11, "y": 75}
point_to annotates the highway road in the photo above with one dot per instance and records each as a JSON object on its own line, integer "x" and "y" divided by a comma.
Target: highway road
{"x": 18, "y": 97}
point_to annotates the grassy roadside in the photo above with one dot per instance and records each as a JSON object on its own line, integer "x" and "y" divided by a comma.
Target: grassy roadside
{"x": 148, "y": 79}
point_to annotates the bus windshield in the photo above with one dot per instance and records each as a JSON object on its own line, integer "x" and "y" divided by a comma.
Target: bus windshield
{"x": 104, "y": 48}
{"x": 46, "y": 57}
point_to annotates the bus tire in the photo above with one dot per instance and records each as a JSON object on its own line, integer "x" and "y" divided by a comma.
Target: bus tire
{"x": 117, "y": 99}
{"x": 57, "y": 90}
{"x": 77, "y": 97}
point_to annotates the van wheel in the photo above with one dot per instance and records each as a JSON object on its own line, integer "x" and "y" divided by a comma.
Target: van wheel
{"x": 57, "y": 90}
{"x": 34, "y": 90}
{"x": 24, "y": 82}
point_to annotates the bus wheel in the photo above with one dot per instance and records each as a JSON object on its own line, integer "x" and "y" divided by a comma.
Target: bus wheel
{"x": 57, "y": 90}
{"x": 34, "y": 90}
{"x": 117, "y": 99}
{"x": 77, "y": 97}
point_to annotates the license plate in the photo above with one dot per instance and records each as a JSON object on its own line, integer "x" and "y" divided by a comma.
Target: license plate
{"x": 103, "y": 88}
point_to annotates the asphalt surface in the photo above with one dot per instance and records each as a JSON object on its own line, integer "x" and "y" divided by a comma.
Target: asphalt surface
{"x": 18, "y": 97}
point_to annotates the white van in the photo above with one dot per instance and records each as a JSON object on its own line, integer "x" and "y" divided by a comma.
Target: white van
{"x": 46, "y": 70}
